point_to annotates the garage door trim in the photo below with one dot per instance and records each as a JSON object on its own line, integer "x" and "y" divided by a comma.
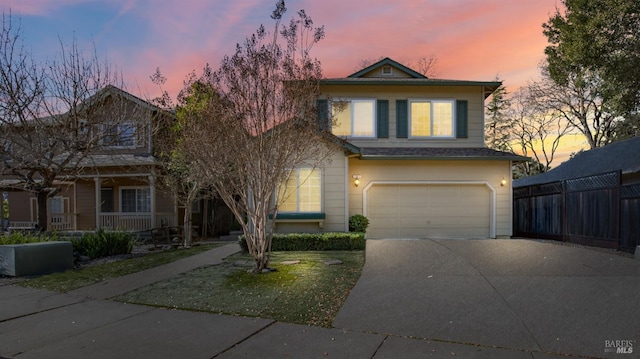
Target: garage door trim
{"x": 492, "y": 197}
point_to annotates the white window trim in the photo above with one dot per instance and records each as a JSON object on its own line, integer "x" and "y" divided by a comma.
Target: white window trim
{"x": 431, "y": 100}
{"x": 132, "y": 187}
{"x": 375, "y": 117}
{"x": 390, "y": 73}
{"x": 297, "y": 195}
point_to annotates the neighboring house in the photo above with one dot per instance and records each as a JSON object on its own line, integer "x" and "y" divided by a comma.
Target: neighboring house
{"x": 593, "y": 199}
{"x": 118, "y": 187}
{"x": 413, "y": 160}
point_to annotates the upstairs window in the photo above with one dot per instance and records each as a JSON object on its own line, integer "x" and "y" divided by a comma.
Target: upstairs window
{"x": 431, "y": 118}
{"x": 302, "y": 192}
{"x": 354, "y": 118}
{"x": 120, "y": 135}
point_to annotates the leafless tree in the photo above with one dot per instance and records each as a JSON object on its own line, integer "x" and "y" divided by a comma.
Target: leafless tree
{"x": 580, "y": 101}
{"x": 261, "y": 122}
{"x": 51, "y": 115}
{"x": 537, "y": 128}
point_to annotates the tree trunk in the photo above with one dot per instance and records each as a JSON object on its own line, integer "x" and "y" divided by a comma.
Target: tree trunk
{"x": 43, "y": 220}
{"x": 2, "y": 212}
{"x": 187, "y": 224}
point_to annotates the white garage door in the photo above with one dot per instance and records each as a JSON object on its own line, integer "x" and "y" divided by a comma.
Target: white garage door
{"x": 428, "y": 211}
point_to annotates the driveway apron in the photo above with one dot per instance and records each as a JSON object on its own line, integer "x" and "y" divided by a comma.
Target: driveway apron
{"x": 518, "y": 294}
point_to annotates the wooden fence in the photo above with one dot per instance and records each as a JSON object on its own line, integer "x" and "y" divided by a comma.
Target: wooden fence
{"x": 595, "y": 210}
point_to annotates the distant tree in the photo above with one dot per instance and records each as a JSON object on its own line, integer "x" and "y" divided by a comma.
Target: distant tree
{"x": 260, "y": 122}
{"x": 498, "y": 124}
{"x": 50, "y": 115}
{"x": 537, "y": 128}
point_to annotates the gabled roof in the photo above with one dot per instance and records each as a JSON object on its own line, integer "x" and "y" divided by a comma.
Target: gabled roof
{"x": 390, "y": 62}
{"x": 619, "y": 156}
{"x": 111, "y": 90}
{"x": 415, "y": 79}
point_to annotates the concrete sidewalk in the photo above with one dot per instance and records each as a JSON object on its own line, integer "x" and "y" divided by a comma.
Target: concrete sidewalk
{"x": 41, "y": 324}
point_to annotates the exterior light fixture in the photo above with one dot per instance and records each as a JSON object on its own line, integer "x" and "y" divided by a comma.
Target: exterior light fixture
{"x": 356, "y": 180}
{"x": 503, "y": 182}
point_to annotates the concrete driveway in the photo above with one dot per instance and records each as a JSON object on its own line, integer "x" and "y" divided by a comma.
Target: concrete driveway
{"x": 518, "y": 294}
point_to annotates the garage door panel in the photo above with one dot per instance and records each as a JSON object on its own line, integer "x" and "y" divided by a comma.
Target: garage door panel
{"x": 428, "y": 211}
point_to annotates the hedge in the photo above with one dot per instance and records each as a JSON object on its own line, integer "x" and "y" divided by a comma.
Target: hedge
{"x": 330, "y": 241}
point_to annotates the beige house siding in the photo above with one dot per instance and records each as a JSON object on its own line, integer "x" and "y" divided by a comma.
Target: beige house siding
{"x": 489, "y": 172}
{"x": 474, "y": 96}
{"x": 333, "y": 202}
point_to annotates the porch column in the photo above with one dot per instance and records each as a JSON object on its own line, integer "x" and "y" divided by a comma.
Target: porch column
{"x": 152, "y": 193}
{"x": 98, "y": 200}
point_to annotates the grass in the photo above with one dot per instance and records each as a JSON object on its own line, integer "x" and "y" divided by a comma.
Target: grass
{"x": 309, "y": 292}
{"x": 76, "y": 278}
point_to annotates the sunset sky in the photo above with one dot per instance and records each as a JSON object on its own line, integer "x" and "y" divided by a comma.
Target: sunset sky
{"x": 472, "y": 39}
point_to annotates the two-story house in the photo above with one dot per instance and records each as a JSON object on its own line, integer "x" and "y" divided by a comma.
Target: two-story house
{"x": 413, "y": 161}
{"x": 118, "y": 186}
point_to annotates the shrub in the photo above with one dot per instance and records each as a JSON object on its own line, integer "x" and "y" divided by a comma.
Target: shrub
{"x": 330, "y": 241}
{"x": 27, "y": 237}
{"x": 358, "y": 223}
{"x": 103, "y": 244}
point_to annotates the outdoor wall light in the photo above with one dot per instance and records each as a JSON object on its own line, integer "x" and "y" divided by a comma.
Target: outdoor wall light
{"x": 356, "y": 180}
{"x": 503, "y": 182}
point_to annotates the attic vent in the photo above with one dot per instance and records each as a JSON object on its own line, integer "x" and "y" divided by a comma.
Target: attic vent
{"x": 387, "y": 70}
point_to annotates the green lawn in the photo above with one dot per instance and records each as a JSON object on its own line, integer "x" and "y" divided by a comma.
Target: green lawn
{"x": 76, "y": 278}
{"x": 310, "y": 292}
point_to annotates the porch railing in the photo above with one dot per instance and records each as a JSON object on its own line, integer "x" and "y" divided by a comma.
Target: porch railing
{"x": 62, "y": 221}
{"x": 135, "y": 221}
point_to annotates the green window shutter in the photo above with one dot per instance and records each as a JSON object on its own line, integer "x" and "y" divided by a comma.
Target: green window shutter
{"x": 462, "y": 122}
{"x": 402, "y": 119}
{"x": 323, "y": 114}
{"x": 383, "y": 118}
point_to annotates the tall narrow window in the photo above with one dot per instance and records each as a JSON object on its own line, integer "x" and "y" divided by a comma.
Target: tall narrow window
{"x": 302, "y": 192}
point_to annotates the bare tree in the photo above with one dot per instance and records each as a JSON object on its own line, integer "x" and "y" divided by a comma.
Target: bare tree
{"x": 580, "y": 101}
{"x": 51, "y": 115}
{"x": 261, "y": 123}
{"x": 537, "y": 128}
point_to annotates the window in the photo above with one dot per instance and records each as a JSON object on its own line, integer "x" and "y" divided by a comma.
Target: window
{"x": 135, "y": 200}
{"x": 56, "y": 205}
{"x": 354, "y": 118}
{"x": 120, "y": 135}
{"x": 302, "y": 192}
{"x": 431, "y": 118}
{"x": 387, "y": 70}
{"x": 106, "y": 199}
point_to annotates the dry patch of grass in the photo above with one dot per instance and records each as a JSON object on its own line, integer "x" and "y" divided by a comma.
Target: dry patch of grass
{"x": 309, "y": 292}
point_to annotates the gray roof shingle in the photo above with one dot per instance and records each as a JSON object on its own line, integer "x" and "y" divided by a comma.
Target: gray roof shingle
{"x": 623, "y": 156}
{"x": 475, "y": 153}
